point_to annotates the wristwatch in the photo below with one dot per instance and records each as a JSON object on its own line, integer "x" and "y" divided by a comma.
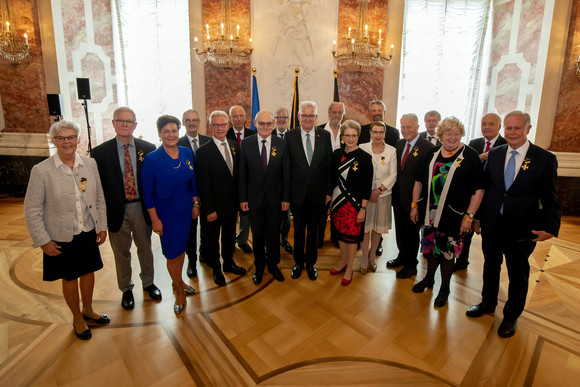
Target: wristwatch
{"x": 470, "y": 215}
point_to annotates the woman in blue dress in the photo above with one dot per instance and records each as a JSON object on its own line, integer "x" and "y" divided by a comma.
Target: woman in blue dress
{"x": 170, "y": 194}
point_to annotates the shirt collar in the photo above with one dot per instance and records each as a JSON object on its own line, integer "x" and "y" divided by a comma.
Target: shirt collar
{"x": 522, "y": 150}
{"x": 58, "y": 162}
{"x": 120, "y": 145}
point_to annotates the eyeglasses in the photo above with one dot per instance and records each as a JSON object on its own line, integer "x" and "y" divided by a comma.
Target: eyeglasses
{"x": 224, "y": 125}
{"x": 307, "y": 115}
{"x": 265, "y": 123}
{"x": 281, "y": 117}
{"x": 125, "y": 122}
{"x": 350, "y": 135}
{"x": 188, "y": 121}
{"x": 375, "y": 132}
{"x": 62, "y": 139}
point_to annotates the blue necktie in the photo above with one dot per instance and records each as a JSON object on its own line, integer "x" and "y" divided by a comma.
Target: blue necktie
{"x": 509, "y": 173}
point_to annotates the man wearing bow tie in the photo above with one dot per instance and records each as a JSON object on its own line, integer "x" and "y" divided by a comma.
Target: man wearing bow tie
{"x": 431, "y": 119}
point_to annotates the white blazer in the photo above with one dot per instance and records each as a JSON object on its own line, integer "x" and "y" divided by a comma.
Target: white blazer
{"x": 384, "y": 167}
{"x": 49, "y": 205}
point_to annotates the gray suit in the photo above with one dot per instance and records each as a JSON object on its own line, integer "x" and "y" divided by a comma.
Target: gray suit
{"x": 49, "y": 205}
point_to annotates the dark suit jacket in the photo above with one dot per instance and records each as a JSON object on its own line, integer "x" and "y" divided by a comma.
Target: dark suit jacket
{"x": 531, "y": 203}
{"x": 403, "y": 188}
{"x": 254, "y": 183}
{"x": 232, "y": 135}
{"x": 424, "y": 135}
{"x": 391, "y": 134}
{"x": 217, "y": 188}
{"x": 107, "y": 157}
{"x": 316, "y": 177}
{"x": 479, "y": 143}
{"x": 184, "y": 141}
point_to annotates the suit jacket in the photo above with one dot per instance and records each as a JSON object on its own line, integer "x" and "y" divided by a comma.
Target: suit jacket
{"x": 107, "y": 157}
{"x": 254, "y": 183}
{"x": 391, "y": 134}
{"x": 479, "y": 143}
{"x": 316, "y": 177}
{"x": 49, "y": 205}
{"x": 231, "y": 134}
{"x": 403, "y": 188}
{"x": 184, "y": 141}
{"x": 216, "y": 187}
{"x": 342, "y": 144}
{"x": 424, "y": 135}
{"x": 531, "y": 202}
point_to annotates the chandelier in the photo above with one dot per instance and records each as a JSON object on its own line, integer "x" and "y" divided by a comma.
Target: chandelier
{"x": 12, "y": 48}
{"x": 225, "y": 51}
{"x": 360, "y": 55}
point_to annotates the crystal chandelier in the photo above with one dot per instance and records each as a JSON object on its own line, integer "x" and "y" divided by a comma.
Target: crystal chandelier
{"x": 12, "y": 48}
{"x": 360, "y": 55}
{"x": 225, "y": 51}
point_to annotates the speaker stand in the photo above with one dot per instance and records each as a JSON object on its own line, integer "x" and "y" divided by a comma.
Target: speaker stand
{"x": 85, "y": 105}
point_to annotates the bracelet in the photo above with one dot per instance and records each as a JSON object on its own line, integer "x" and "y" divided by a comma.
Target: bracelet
{"x": 196, "y": 205}
{"x": 380, "y": 189}
{"x": 467, "y": 218}
{"x": 414, "y": 205}
{"x": 363, "y": 208}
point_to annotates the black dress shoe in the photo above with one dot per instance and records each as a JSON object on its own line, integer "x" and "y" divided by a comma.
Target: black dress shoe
{"x": 276, "y": 273}
{"x": 218, "y": 278}
{"x": 480, "y": 309}
{"x": 257, "y": 277}
{"x": 245, "y": 247}
{"x": 191, "y": 270}
{"x": 380, "y": 249}
{"x": 286, "y": 245}
{"x": 394, "y": 263}
{"x": 312, "y": 272}
{"x": 297, "y": 270}
{"x": 154, "y": 292}
{"x": 441, "y": 299}
{"x": 406, "y": 272}
{"x": 235, "y": 269}
{"x": 127, "y": 301}
{"x": 423, "y": 284}
{"x": 84, "y": 335}
{"x": 460, "y": 265}
{"x": 104, "y": 319}
{"x": 507, "y": 328}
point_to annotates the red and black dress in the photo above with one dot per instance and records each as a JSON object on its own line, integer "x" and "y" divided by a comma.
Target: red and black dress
{"x": 353, "y": 175}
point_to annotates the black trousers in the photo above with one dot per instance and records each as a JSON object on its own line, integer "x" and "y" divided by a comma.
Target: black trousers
{"x": 407, "y": 236}
{"x": 306, "y": 223}
{"x": 285, "y": 226}
{"x": 464, "y": 256}
{"x": 265, "y": 223}
{"x": 496, "y": 243}
{"x": 226, "y": 225}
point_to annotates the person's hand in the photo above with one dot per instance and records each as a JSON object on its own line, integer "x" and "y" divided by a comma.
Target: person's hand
{"x": 195, "y": 213}
{"x": 51, "y": 248}
{"x": 157, "y": 226}
{"x": 542, "y": 235}
{"x": 361, "y": 215}
{"x": 375, "y": 193}
{"x": 483, "y": 156}
{"x": 414, "y": 215}
{"x": 244, "y": 206}
{"x": 465, "y": 227}
{"x": 101, "y": 237}
{"x": 212, "y": 217}
{"x": 328, "y": 199}
{"x": 477, "y": 227}
{"x": 285, "y": 206}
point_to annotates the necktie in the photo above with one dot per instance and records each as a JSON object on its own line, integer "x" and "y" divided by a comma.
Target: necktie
{"x": 239, "y": 137}
{"x": 194, "y": 145}
{"x": 309, "y": 151}
{"x": 264, "y": 156}
{"x": 487, "y": 146}
{"x": 431, "y": 139}
{"x": 282, "y": 136}
{"x": 405, "y": 155}
{"x": 510, "y": 170}
{"x": 130, "y": 191}
{"x": 228, "y": 158}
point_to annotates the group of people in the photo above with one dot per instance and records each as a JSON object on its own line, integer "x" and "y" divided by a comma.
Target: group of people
{"x": 430, "y": 181}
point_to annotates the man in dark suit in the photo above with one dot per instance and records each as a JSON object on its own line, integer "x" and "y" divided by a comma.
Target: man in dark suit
{"x": 431, "y": 119}
{"x": 377, "y": 113}
{"x": 282, "y": 115}
{"x": 411, "y": 151}
{"x": 490, "y": 126}
{"x": 217, "y": 164}
{"x": 237, "y": 133}
{"x": 519, "y": 209}
{"x": 264, "y": 191}
{"x": 311, "y": 185}
{"x": 193, "y": 140}
{"x": 119, "y": 161}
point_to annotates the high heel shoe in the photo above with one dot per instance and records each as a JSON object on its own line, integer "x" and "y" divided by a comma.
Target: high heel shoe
{"x": 422, "y": 285}
{"x": 189, "y": 291}
{"x": 177, "y": 309}
{"x": 364, "y": 269}
{"x": 441, "y": 299}
{"x": 345, "y": 281}
{"x": 373, "y": 268}
{"x": 335, "y": 272}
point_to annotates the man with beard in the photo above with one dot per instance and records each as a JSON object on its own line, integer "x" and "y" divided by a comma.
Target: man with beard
{"x": 377, "y": 113}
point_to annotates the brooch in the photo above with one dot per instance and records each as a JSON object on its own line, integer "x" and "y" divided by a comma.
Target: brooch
{"x": 233, "y": 150}
{"x": 140, "y": 154}
{"x": 382, "y": 160}
{"x": 273, "y": 153}
{"x": 189, "y": 164}
{"x": 458, "y": 160}
{"x": 415, "y": 152}
{"x": 355, "y": 166}
{"x": 525, "y": 164}
{"x": 83, "y": 185}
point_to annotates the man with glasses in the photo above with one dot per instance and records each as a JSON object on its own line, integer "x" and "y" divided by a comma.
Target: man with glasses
{"x": 264, "y": 192}
{"x": 281, "y": 119}
{"x": 237, "y": 133}
{"x": 193, "y": 140}
{"x": 120, "y": 161}
{"x": 311, "y": 185}
{"x": 431, "y": 119}
{"x": 217, "y": 177}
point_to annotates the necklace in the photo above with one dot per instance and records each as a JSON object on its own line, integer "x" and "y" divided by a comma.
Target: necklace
{"x": 179, "y": 165}
{"x": 451, "y": 152}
